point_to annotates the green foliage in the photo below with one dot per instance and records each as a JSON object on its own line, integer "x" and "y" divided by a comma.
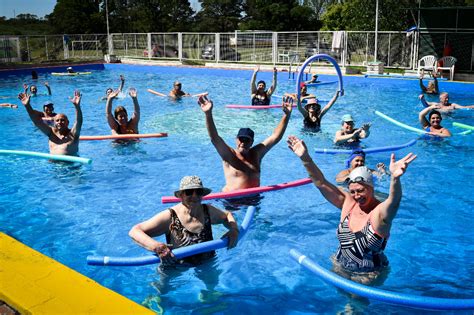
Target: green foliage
{"x": 219, "y": 15}
{"x": 77, "y": 17}
{"x": 24, "y": 26}
{"x": 359, "y": 15}
{"x": 278, "y": 15}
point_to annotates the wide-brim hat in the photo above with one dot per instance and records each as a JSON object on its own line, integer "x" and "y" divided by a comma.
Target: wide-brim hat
{"x": 191, "y": 182}
{"x": 311, "y": 101}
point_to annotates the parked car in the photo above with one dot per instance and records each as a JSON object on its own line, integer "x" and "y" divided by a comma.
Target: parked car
{"x": 226, "y": 53}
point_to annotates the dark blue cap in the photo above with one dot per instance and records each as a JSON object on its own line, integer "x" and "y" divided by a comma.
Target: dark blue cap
{"x": 246, "y": 133}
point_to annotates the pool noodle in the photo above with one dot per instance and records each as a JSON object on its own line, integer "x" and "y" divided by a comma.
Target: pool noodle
{"x": 321, "y": 83}
{"x": 370, "y": 150}
{"x": 456, "y": 124}
{"x": 69, "y": 74}
{"x": 425, "y": 302}
{"x": 125, "y": 136}
{"x": 400, "y": 124}
{"x": 310, "y": 59}
{"x": 179, "y": 252}
{"x": 254, "y": 106}
{"x": 56, "y": 157}
{"x": 243, "y": 192}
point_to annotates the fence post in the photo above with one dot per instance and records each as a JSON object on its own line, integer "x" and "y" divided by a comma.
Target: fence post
{"x": 274, "y": 48}
{"x": 180, "y": 46}
{"x": 46, "y": 47}
{"x": 110, "y": 44}
{"x": 148, "y": 45}
{"x": 28, "y": 48}
{"x": 389, "y": 49}
{"x": 218, "y": 46}
{"x": 344, "y": 50}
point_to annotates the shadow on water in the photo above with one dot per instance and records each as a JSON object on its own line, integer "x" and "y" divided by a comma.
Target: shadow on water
{"x": 236, "y": 204}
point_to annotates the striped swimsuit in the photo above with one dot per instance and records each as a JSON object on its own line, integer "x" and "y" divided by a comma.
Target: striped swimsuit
{"x": 362, "y": 250}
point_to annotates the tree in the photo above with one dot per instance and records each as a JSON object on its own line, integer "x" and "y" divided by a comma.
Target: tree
{"x": 77, "y": 17}
{"x": 279, "y": 15}
{"x": 219, "y": 15}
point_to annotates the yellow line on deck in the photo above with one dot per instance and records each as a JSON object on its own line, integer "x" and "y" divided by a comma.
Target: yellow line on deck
{"x": 33, "y": 283}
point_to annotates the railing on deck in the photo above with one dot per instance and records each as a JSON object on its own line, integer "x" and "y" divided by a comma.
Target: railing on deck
{"x": 349, "y": 48}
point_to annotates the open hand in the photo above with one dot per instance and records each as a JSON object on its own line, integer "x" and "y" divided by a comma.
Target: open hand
{"x": 76, "y": 100}
{"x": 205, "y": 103}
{"x": 297, "y": 146}
{"x": 132, "y": 92}
{"x": 24, "y": 98}
{"x": 287, "y": 103}
{"x": 398, "y": 168}
{"x": 113, "y": 94}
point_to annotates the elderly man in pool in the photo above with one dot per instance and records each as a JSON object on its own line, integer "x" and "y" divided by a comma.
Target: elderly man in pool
{"x": 365, "y": 222}
{"x": 242, "y": 164}
{"x": 186, "y": 223}
{"x": 62, "y": 140}
{"x": 443, "y": 105}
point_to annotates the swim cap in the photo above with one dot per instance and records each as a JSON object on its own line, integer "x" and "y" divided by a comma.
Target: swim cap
{"x": 354, "y": 154}
{"x": 361, "y": 174}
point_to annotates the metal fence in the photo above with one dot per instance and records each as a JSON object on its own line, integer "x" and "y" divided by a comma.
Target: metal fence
{"x": 349, "y": 48}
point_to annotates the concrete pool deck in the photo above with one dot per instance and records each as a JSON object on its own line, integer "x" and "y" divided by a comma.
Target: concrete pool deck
{"x": 32, "y": 283}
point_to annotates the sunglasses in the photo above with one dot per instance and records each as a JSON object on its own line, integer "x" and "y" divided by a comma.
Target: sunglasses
{"x": 245, "y": 140}
{"x": 190, "y": 192}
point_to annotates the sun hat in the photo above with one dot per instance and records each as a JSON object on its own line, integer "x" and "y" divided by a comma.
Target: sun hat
{"x": 311, "y": 101}
{"x": 191, "y": 182}
{"x": 347, "y": 118}
{"x": 246, "y": 133}
{"x": 361, "y": 174}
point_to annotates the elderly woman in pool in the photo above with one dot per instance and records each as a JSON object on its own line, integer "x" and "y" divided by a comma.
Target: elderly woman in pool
{"x": 187, "y": 223}
{"x": 365, "y": 222}
{"x": 312, "y": 111}
{"x": 357, "y": 159}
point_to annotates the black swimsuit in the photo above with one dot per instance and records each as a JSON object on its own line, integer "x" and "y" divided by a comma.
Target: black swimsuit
{"x": 179, "y": 236}
{"x": 261, "y": 101}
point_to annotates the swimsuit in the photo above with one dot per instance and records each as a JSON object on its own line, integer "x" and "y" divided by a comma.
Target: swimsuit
{"x": 179, "y": 236}
{"x": 261, "y": 101}
{"x": 308, "y": 123}
{"x": 362, "y": 250}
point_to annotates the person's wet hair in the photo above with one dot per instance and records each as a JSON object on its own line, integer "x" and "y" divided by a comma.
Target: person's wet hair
{"x": 118, "y": 110}
{"x": 435, "y": 112}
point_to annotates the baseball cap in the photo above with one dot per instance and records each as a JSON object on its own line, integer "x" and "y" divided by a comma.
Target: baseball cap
{"x": 48, "y": 103}
{"x": 347, "y": 118}
{"x": 246, "y": 133}
{"x": 361, "y": 174}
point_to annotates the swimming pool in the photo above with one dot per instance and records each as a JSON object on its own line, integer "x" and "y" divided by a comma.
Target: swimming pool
{"x": 70, "y": 212}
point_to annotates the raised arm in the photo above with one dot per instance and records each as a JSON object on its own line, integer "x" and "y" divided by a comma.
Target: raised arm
{"x": 46, "y": 84}
{"x": 423, "y": 101}
{"x": 253, "y": 87}
{"x": 222, "y": 148}
{"x": 421, "y": 117}
{"x": 387, "y": 210}
{"x": 108, "y": 110}
{"x": 279, "y": 131}
{"x": 76, "y": 101}
{"x": 435, "y": 79}
{"x": 35, "y": 118}
{"x": 122, "y": 83}
{"x": 274, "y": 83}
{"x": 329, "y": 105}
{"x": 422, "y": 86}
{"x": 299, "y": 104}
{"x": 136, "y": 108}
{"x": 143, "y": 234}
{"x": 329, "y": 191}
{"x": 365, "y": 131}
{"x": 339, "y": 138}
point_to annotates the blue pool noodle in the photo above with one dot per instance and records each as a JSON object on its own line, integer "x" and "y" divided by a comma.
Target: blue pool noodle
{"x": 370, "y": 150}
{"x": 56, "y": 157}
{"x": 310, "y": 59}
{"x": 424, "y": 302}
{"x": 179, "y": 252}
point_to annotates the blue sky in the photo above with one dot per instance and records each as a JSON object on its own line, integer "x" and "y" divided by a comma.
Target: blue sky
{"x": 39, "y": 7}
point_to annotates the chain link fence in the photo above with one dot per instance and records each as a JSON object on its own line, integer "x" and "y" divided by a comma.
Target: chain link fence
{"x": 348, "y": 48}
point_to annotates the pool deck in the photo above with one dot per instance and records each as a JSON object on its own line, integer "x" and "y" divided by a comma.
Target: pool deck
{"x": 32, "y": 283}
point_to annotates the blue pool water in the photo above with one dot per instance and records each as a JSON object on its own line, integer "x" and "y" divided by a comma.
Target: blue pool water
{"x": 70, "y": 212}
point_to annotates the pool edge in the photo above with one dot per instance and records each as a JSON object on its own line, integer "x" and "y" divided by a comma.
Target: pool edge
{"x": 33, "y": 283}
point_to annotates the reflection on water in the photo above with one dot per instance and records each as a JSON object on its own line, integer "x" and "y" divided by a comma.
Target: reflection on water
{"x": 235, "y": 204}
